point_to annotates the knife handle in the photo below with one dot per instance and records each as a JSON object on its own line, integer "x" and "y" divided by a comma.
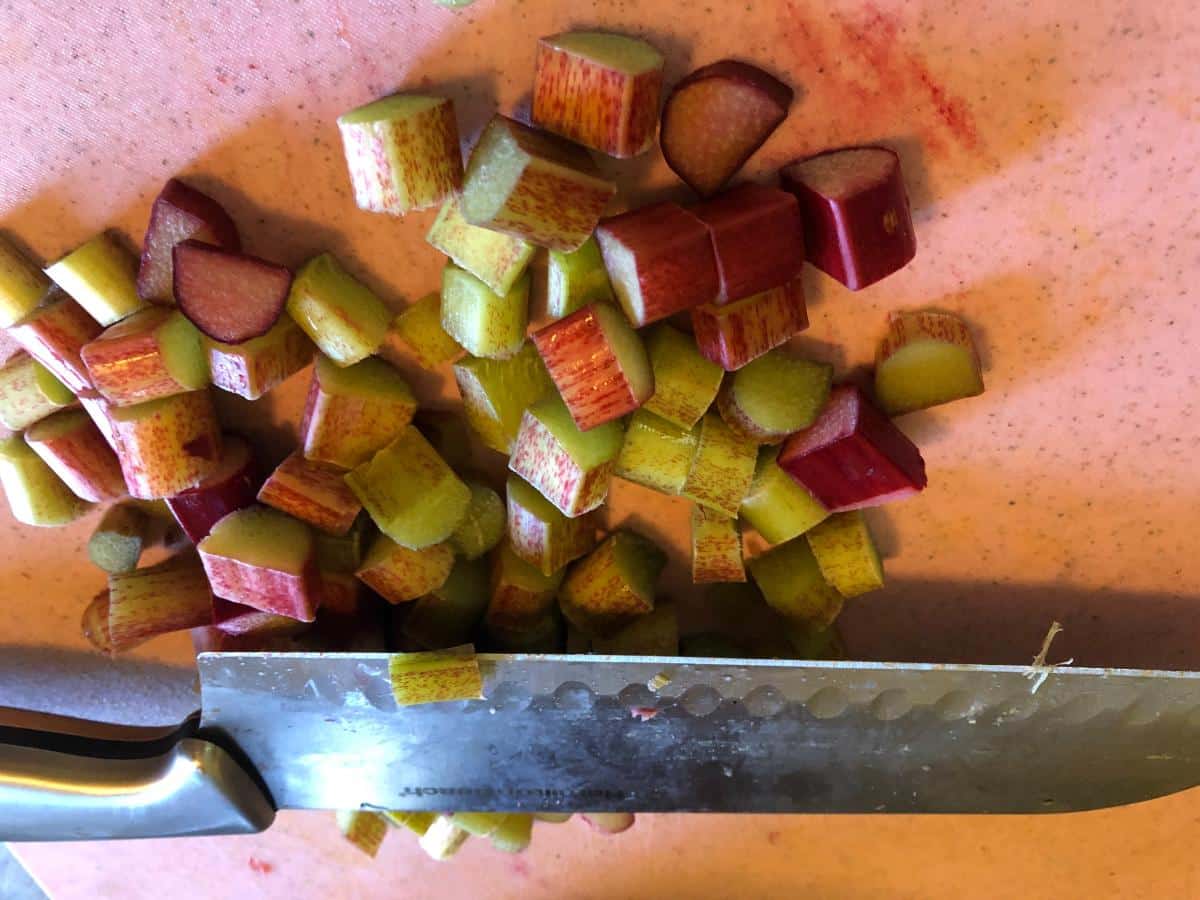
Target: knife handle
{"x": 70, "y": 780}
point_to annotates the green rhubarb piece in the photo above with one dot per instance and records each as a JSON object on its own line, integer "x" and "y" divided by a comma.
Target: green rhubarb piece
{"x": 340, "y": 313}
{"x": 101, "y": 276}
{"x": 846, "y": 554}
{"x": 353, "y": 412}
{"x": 365, "y": 830}
{"x": 410, "y": 493}
{"x": 117, "y": 543}
{"x": 521, "y": 594}
{"x": 343, "y": 553}
{"x": 496, "y": 259}
{"x": 420, "y": 327}
{"x": 22, "y": 285}
{"x": 253, "y": 367}
{"x": 716, "y": 548}
{"x": 656, "y": 453}
{"x": 685, "y": 383}
{"x": 152, "y": 353}
{"x": 777, "y": 506}
{"x": 483, "y": 322}
{"x": 809, "y": 642}
{"x": 399, "y": 574}
{"x": 654, "y": 634}
{"x": 449, "y": 615}
{"x": 721, "y": 469}
{"x": 29, "y": 393}
{"x": 541, "y": 535}
{"x": 145, "y": 603}
{"x": 35, "y": 494}
{"x": 612, "y": 585}
{"x": 575, "y": 279}
{"x": 775, "y": 395}
{"x": 483, "y": 526}
{"x": 442, "y": 839}
{"x": 496, "y": 392}
{"x": 509, "y": 832}
{"x": 927, "y": 358}
{"x": 416, "y": 822}
{"x": 792, "y": 583}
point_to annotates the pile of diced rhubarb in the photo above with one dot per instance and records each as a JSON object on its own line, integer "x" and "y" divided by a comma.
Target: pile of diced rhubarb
{"x": 661, "y": 357}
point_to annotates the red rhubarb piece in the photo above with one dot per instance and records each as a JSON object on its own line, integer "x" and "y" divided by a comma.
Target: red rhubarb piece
{"x": 179, "y": 213}
{"x": 229, "y": 296}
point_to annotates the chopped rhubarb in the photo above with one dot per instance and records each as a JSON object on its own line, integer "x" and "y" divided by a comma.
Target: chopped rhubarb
{"x": 654, "y": 634}
{"x": 656, "y": 453}
{"x": 232, "y": 297}
{"x": 778, "y": 507}
{"x": 117, "y": 542}
{"x": 736, "y": 333}
{"x": 846, "y": 554}
{"x": 54, "y": 334}
{"x": 575, "y": 279}
{"x": 928, "y": 358}
{"x": 36, "y": 496}
{"x": 483, "y": 322}
{"x": 612, "y": 585}
{"x": 496, "y": 259}
{"x": 435, "y": 677}
{"x": 231, "y": 485}
{"x": 483, "y": 526}
{"x": 101, "y": 275}
{"x": 685, "y": 383}
{"x": 145, "y": 603}
{"x": 449, "y": 615}
{"x": 153, "y": 353}
{"x": 234, "y": 618}
{"x": 253, "y": 367}
{"x": 313, "y": 492}
{"x": 399, "y": 575}
{"x": 29, "y": 393}
{"x": 342, "y": 315}
{"x": 716, "y": 548}
{"x": 541, "y": 535}
{"x": 496, "y": 392}
{"x": 419, "y": 329}
{"x": 22, "y": 285}
{"x": 792, "y": 583}
{"x": 774, "y": 395}
{"x": 167, "y": 445}
{"x": 722, "y": 467}
{"x": 521, "y": 593}
{"x": 180, "y": 213}
{"x": 75, "y": 449}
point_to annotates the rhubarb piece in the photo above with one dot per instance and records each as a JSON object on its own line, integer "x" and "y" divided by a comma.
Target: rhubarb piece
{"x": 342, "y": 315}
{"x": 612, "y": 585}
{"x": 54, "y": 334}
{"x": 167, "y": 445}
{"x": 94, "y": 623}
{"x": 263, "y": 558}
{"x": 410, "y": 493}
{"x": 341, "y": 594}
{"x": 97, "y": 408}
{"x": 399, "y": 575}
{"x": 541, "y": 535}
{"x": 312, "y": 492}
{"x": 443, "y": 838}
{"x": 230, "y": 485}
{"x": 846, "y": 554}
{"x": 534, "y": 186}
{"x": 435, "y": 676}
{"x": 354, "y": 412}
{"x": 656, "y": 453}
{"x": 483, "y": 322}
{"x": 234, "y": 618}
{"x": 792, "y": 584}
{"x": 852, "y": 456}
{"x": 598, "y": 364}
{"x": 449, "y": 615}
{"x": 117, "y": 543}
{"x": 420, "y": 329}
{"x": 716, "y": 548}
{"x": 508, "y": 832}
{"x": 774, "y": 395}
{"x": 757, "y": 239}
{"x": 716, "y": 117}
{"x": 76, "y": 451}
{"x": 180, "y": 213}
{"x": 811, "y": 642}
{"x": 416, "y": 822}
{"x": 496, "y": 392}
{"x": 35, "y": 494}
{"x": 153, "y": 353}
{"x": 496, "y": 259}
{"x": 736, "y": 333}
{"x": 28, "y": 392}
{"x": 569, "y": 467}
{"x": 145, "y": 603}
{"x": 777, "y": 507}
{"x": 857, "y": 224}
{"x": 685, "y": 383}
{"x": 660, "y": 260}
{"x": 343, "y": 553}
{"x": 101, "y": 276}
{"x": 598, "y": 89}
{"x": 253, "y": 367}
{"x": 402, "y": 153}
{"x": 609, "y": 823}
{"x": 654, "y": 634}
{"x": 22, "y": 285}
{"x": 575, "y": 279}
{"x": 928, "y": 358}
{"x": 520, "y": 593}
{"x": 552, "y": 818}
{"x": 483, "y": 526}
{"x": 230, "y": 296}
{"x": 365, "y": 830}
{"x": 541, "y": 635}
{"x": 722, "y": 467}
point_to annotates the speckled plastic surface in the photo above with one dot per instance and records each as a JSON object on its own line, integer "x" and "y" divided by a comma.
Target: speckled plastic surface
{"x": 1050, "y": 156}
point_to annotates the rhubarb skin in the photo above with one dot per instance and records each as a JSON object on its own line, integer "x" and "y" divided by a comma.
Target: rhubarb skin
{"x": 613, "y": 585}
{"x": 153, "y": 353}
{"x": 597, "y": 363}
{"x": 145, "y": 603}
{"x": 54, "y": 334}
{"x": 419, "y": 329}
{"x": 400, "y": 575}
{"x": 75, "y": 450}
{"x": 342, "y": 315}
{"x": 846, "y": 554}
{"x": 597, "y": 89}
{"x": 757, "y": 238}
{"x": 716, "y": 548}
{"x": 230, "y": 486}
{"x": 167, "y": 445}
{"x": 739, "y": 332}
{"x": 722, "y": 467}
{"x": 656, "y": 453}
{"x": 29, "y": 392}
{"x": 180, "y": 213}
{"x": 101, "y": 276}
{"x": 778, "y": 507}
{"x": 254, "y": 367}
{"x": 496, "y": 259}
{"x": 36, "y": 496}
{"x": 22, "y": 285}
{"x": 234, "y": 618}
{"x": 685, "y": 383}
{"x": 312, "y": 492}
{"x": 496, "y": 393}
{"x": 792, "y": 584}
{"x": 927, "y": 358}
{"x": 853, "y": 457}
{"x": 98, "y": 408}
{"x": 521, "y": 594}
{"x": 541, "y": 535}
{"x": 857, "y": 224}
{"x": 485, "y": 323}
{"x": 660, "y": 261}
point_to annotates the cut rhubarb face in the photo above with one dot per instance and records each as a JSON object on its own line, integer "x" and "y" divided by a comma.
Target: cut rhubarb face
{"x": 101, "y": 276}
{"x": 344, "y": 553}
{"x": 399, "y": 574}
{"x": 153, "y": 353}
{"x": 777, "y": 506}
{"x": 522, "y": 595}
{"x": 263, "y": 558}
{"x": 312, "y": 492}
{"x": 171, "y": 596}
{"x": 167, "y": 445}
{"x": 419, "y": 329}
{"x": 716, "y": 117}
{"x": 792, "y": 584}
{"x": 352, "y": 413}
{"x": 496, "y": 392}
{"x": 569, "y": 467}
{"x": 533, "y": 185}
{"x": 656, "y": 453}
{"x": 774, "y": 395}
{"x": 496, "y": 259}
{"x": 117, "y": 542}
{"x": 253, "y": 367}
{"x": 660, "y": 261}
{"x": 654, "y": 634}
{"x": 402, "y": 153}
{"x": 22, "y": 285}
{"x": 575, "y": 279}
{"x": 449, "y": 615}
{"x": 36, "y": 496}
{"x": 342, "y": 315}
{"x": 852, "y": 456}
{"x": 410, "y": 493}
{"x": 541, "y": 535}
{"x": 598, "y": 364}
{"x": 29, "y": 393}
{"x": 180, "y": 213}
{"x": 722, "y": 467}
{"x": 483, "y": 526}
{"x": 846, "y": 554}
{"x": 230, "y": 486}
{"x": 54, "y": 334}
{"x": 598, "y": 89}
{"x": 612, "y": 585}
{"x": 716, "y": 548}
{"x": 75, "y": 450}
{"x": 928, "y": 358}
{"x": 757, "y": 238}
{"x": 685, "y": 383}
{"x": 736, "y": 333}
{"x": 485, "y": 323}
{"x": 857, "y": 224}
{"x": 232, "y": 297}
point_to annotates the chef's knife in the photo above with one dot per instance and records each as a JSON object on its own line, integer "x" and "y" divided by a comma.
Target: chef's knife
{"x": 323, "y": 731}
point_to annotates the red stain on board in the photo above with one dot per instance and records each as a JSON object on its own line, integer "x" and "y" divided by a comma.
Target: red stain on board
{"x": 773, "y": 838}
{"x": 643, "y": 713}
{"x": 261, "y": 866}
{"x": 520, "y": 867}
